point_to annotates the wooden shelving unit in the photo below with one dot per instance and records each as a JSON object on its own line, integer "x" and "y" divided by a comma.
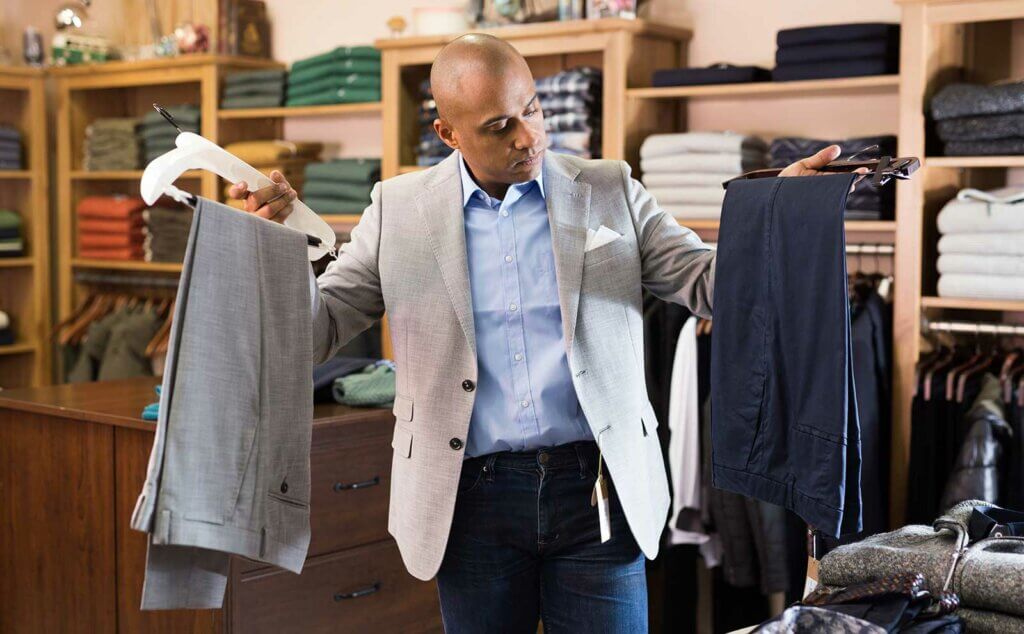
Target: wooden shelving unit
{"x": 25, "y": 280}
{"x": 961, "y": 303}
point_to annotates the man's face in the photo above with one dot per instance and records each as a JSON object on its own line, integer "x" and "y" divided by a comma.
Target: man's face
{"x": 497, "y": 124}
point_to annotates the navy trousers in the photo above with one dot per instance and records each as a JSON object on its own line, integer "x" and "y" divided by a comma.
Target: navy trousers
{"x": 783, "y": 406}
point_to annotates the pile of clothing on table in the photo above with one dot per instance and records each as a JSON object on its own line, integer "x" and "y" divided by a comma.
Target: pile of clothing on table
{"x": 12, "y": 242}
{"x": 347, "y": 74}
{"x": 112, "y": 144}
{"x": 571, "y": 102}
{"x": 10, "y": 148}
{"x": 165, "y": 230}
{"x": 867, "y": 202}
{"x": 981, "y": 251}
{"x": 110, "y": 227}
{"x": 254, "y": 89}
{"x": 972, "y": 119}
{"x": 340, "y": 186}
{"x": 837, "y": 50}
{"x": 288, "y": 157}
{"x": 6, "y": 330}
{"x": 684, "y": 172}
{"x": 158, "y": 135}
{"x": 114, "y": 346}
{"x": 430, "y": 150}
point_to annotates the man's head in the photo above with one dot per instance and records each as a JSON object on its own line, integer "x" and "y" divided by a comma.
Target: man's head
{"x": 488, "y": 109}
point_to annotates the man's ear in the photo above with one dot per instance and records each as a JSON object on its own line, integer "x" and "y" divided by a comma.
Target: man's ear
{"x": 446, "y": 133}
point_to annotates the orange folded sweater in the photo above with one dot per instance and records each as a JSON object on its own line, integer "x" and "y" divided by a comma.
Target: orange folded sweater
{"x": 119, "y": 226}
{"x": 106, "y": 240}
{"x": 110, "y": 207}
{"x": 131, "y": 253}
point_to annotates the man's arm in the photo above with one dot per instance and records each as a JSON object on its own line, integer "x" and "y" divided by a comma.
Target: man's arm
{"x": 675, "y": 264}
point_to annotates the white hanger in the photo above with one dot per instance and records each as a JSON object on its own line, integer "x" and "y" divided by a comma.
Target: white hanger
{"x": 195, "y": 152}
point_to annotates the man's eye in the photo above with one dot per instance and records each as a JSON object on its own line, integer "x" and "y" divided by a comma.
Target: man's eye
{"x": 531, "y": 112}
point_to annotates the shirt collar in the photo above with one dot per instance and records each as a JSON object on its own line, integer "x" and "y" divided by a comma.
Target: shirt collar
{"x": 469, "y": 186}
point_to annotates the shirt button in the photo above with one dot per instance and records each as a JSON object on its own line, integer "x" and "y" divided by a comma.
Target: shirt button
{"x": 525, "y": 404}
{"x": 518, "y": 357}
{"x": 504, "y": 213}
{"x": 455, "y": 444}
{"x": 508, "y": 258}
{"x": 468, "y": 385}
{"x": 512, "y": 307}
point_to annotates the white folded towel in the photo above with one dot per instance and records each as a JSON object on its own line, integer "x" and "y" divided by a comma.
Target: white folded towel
{"x": 981, "y": 286}
{"x": 700, "y": 142}
{"x": 673, "y": 179}
{"x": 693, "y": 212}
{"x": 1011, "y": 243}
{"x": 736, "y": 163}
{"x": 980, "y": 264}
{"x": 687, "y": 195}
{"x": 973, "y": 211}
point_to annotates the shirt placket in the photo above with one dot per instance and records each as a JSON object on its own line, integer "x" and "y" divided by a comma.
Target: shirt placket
{"x": 515, "y": 330}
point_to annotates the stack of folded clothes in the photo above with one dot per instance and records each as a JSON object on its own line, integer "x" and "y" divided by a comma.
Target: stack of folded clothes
{"x": 6, "y": 331}
{"x": 254, "y": 89}
{"x": 571, "y": 101}
{"x": 980, "y": 120}
{"x": 374, "y": 386}
{"x": 110, "y": 227}
{"x": 347, "y": 74}
{"x": 158, "y": 135}
{"x": 713, "y": 74}
{"x": 12, "y": 243}
{"x": 431, "y": 150}
{"x": 684, "y": 172}
{"x": 981, "y": 251}
{"x": 867, "y": 202}
{"x": 341, "y": 186}
{"x": 165, "y": 231}
{"x": 112, "y": 144}
{"x": 10, "y": 148}
{"x": 289, "y": 158}
{"x": 837, "y": 50}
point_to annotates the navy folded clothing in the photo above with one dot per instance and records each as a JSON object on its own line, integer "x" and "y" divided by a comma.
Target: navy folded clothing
{"x": 10, "y": 133}
{"x": 715, "y": 74}
{"x": 996, "y": 126}
{"x": 790, "y": 149}
{"x": 836, "y": 51}
{"x": 966, "y": 100}
{"x": 836, "y": 33}
{"x": 831, "y": 70}
{"x": 6, "y": 164}
{"x": 992, "y": 147}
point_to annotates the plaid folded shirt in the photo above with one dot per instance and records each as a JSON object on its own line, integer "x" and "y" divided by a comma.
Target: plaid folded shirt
{"x": 578, "y": 80}
{"x": 571, "y": 122}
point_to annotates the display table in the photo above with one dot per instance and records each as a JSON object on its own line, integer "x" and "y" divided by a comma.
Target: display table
{"x": 72, "y": 461}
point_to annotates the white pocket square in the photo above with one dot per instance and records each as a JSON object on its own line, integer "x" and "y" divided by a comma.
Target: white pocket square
{"x": 599, "y": 238}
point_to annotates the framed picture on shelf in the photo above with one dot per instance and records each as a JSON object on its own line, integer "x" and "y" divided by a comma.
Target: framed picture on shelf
{"x": 597, "y": 9}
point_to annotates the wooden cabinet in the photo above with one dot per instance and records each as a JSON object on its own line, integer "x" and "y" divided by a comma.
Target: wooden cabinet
{"x": 72, "y": 461}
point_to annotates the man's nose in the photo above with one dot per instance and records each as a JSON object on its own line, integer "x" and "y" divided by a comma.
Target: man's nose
{"x": 528, "y": 137}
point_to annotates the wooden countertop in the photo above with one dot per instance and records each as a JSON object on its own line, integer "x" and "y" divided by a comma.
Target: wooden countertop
{"x": 120, "y": 403}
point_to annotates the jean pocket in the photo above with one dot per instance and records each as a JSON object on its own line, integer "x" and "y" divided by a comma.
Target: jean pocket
{"x": 471, "y": 477}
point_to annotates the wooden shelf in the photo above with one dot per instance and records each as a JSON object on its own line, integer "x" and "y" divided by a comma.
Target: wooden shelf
{"x": 407, "y": 169}
{"x": 974, "y": 161}
{"x": 341, "y": 218}
{"x": 120, "y": 175}
{"x": 127, "y": 265}
{"x": 21, "y": 347}
{"x": 770, "y": 88}
{"x": 852, "y": 226}
{"x": 11, "y": 263}
{"x": 333, "y": 110}
{"x": 155, "y": 66}
{"x": 963, "y": 303}
{"x": 15, "y": 174}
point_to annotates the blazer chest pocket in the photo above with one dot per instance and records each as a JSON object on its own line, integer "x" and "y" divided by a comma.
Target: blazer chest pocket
{"x": 606, "y": 252}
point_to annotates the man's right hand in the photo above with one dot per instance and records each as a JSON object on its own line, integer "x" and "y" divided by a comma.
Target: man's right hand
{"x": 273, "y": 202}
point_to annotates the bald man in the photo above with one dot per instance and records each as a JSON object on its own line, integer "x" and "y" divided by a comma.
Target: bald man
{"x": 512, "y": 280}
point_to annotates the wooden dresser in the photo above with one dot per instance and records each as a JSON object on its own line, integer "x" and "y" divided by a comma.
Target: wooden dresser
{"x": 72, "y": 462}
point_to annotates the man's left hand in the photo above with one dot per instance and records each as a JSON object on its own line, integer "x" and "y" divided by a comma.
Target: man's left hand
{"x": 811, "y": 166}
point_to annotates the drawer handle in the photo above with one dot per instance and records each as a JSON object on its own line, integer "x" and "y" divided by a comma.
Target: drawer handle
{"x": 365, "y": 592}
{"x": 340, "y": 486}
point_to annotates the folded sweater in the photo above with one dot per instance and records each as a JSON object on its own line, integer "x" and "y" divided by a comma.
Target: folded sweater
{"x": 836, "y": 33}
{"x": 695, "y": 195}
{"x": 337, "y": 54}
{"x": 1005, "y": 243}
{"x": 965, "y": 100}
{"x": 982, "y": 287}
{"x": 657, "y": 145}
{"x": 109, "y": 206}
{"x": 358, "y": 170}
{"x": 254, "y": 152}
{"x": 996, "y": 126}
{"x": 968, "y": 214}
{"x": 735, "y": 163}
{"x": 987, "y": 265}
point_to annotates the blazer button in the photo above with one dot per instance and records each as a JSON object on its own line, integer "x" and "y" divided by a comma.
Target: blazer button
{"x": 468, "y": 385}
{"x": 455, "y": 444}
{"x": 284, "y": 487}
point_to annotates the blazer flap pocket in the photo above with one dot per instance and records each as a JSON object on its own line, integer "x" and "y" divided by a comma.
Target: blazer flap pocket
{"x": 402, "y": 441}
{"x": 402, "y": 408}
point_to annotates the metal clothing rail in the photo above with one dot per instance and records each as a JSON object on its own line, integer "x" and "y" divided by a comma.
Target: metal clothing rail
{"x": 973, "y": 327}
{"x": 85, "y": 277}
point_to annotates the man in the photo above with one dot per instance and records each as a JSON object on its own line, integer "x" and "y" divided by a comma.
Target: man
{"x": 512, "y": 281}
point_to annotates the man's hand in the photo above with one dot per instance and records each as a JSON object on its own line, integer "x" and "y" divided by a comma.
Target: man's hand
{"x": 811, "y": 166}
{"x": 273, "y": 202}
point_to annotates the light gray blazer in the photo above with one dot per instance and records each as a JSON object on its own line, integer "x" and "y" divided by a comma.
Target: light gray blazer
{"x": 408, "y": 255}
{"x": 229, "y": 469}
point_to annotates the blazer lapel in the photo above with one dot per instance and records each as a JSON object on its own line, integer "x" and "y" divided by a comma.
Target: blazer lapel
{"x": 440, "y": 207}
{"x": 568, "y": 202}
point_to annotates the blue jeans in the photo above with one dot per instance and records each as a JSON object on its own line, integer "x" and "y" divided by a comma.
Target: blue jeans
{"x": 525, "y": 544}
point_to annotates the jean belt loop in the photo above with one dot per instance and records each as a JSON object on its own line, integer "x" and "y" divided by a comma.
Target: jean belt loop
{"x": 489, "y": 467}
{"x": 581, "y": 458}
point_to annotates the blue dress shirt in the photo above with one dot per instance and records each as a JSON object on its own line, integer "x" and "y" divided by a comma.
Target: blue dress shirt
{"x": 525, "y": 397}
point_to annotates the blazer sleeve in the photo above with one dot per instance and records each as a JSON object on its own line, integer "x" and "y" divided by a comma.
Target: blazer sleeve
{"x": 676, "y": 265}
{"x": 348, "y": 298}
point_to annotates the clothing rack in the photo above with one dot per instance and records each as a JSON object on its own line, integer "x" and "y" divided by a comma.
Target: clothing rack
{"x": 974, "y": 327}
{"x": 85, "y": 277}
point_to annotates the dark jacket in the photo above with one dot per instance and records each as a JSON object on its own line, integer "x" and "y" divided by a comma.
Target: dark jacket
{"x": 975, "y": 475}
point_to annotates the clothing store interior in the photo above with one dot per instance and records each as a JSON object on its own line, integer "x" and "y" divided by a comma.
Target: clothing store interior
{"x": 487, "y": 316}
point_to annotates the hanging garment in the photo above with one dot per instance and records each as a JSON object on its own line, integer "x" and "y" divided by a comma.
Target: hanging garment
{"x": 229, "y": 469}
{"x": 684, "y": 445}
{"x": 785, "y": 428}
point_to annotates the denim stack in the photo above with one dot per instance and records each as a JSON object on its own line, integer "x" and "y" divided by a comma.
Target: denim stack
{"x": 837, "y": 50}
{"x": 867, "y": 202}
{"x": 10, "y": 148}
{"x": 347, "y": 74}
{"x": 571, "y": 101}
{"x": 254, "y": 89}
{"x": 430, "y": 150}
{"x": 980, "y": 120}
{"x": 158, "y": 135}
{"x": 341, "y": 186}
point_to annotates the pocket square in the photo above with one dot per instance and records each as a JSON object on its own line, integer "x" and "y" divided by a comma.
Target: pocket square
{"x": 599, "y": 238}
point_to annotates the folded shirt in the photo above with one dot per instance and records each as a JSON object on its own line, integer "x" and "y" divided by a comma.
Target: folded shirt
{"x": 339, "y": 67}
{"x": 8, "y": 233}
{"x": 836, "y": 51}
{"x": 184, "y": 114}
{"x": 340, "y": 53}
{"x": 657, "y": 145}
{"x": 989, "y": 265}
{"x": 973, "y": 211}
{"x": 848, "y": 68}
{"x": 255, "y": 77}
{"x": 693, "y": 212}
{"x": 1006, "y": 243}
{"x": 714, "y": 74}
{"x": 735, "y": 162}
{"x": 836, "y": 33}
{"x": 109, "y": 207}
{"x": 119, "y": 226}
{"x": 10, "y": 133}
{"x": 12, "y": 247}
{"x": 572, "y": 122}
{"x": 557, "y": 104}
{"x": 996, "y": 126}
{"x": 574, "y": 141}
{"x": 10, "y": 220}
{"x": 335, "y": 82}
{"x": 275, "y": 87}
{"x": 167, "y": 217}
{"x": 323, "y": 205}
{"x": 676, "y": 179}
{"x": 337, "y": 189}
{"x": 252, "y": 101}
{"x": 131, "y": 253}
{"x": 356, "y": 170}
{"x": 581, "y": 80}
{"x": 696, "y": 195}
{"x": 966, "y": 100}
{"x": 340, "y": 95}
{"x": 991, "y": 147}
{"x": 791, "y": 148}
{"x": 254, "y": 152}
{"x": 7, "y": 164}
{"x": 109, "y": 240}
{"x": 122, "y": 125}
{"x": 981, "y": 286}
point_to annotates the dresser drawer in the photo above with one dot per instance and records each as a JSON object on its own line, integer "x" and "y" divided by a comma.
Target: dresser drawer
{"x": 365, "y": 589}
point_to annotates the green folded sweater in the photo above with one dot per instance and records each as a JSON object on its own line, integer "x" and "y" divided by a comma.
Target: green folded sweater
{"x": 9, "y": 219}
{"x": 355, "y": 170}
{"x": 252, "y": 101}
{"x": 340, "y": 53}
{"x": 337, "y": 189}
{"x": 255, "y": 77}
{"x": 334, "y": 82}
{"x": 340, "y": 67}
{"x": 265, "y": 88}
{"x": 322, "y": 205}
{"x": 341, "y": 95}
